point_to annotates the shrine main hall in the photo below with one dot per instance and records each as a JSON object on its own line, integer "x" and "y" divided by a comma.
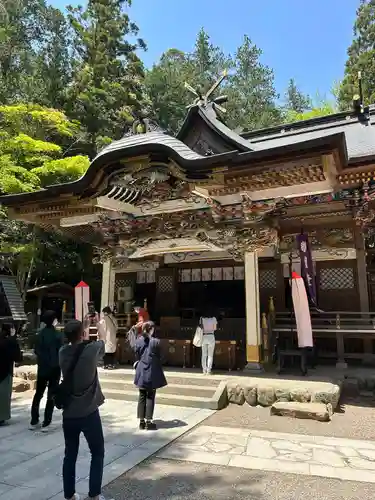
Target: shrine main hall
{"x": 209, "y": 218}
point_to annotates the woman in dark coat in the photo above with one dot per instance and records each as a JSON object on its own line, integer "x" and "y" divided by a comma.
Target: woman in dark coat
{"x": 9, "y": 353}
{"x": 149, "y": 375}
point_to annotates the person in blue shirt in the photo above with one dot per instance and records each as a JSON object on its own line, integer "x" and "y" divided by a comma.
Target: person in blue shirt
{"x": 47, "y": 345}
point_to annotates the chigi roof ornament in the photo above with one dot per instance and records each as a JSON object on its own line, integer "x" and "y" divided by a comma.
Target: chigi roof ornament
{"x": 204, "y": 99}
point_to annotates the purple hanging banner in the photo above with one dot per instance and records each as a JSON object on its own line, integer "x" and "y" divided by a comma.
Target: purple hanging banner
{"x": 307, "y": 267}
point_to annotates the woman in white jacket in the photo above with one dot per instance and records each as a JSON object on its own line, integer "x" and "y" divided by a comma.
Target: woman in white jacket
{"x": 109, "y": 324}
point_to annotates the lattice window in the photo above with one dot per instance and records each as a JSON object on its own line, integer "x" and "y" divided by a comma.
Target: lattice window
{"x": 165, "y": 284}
{"x": 336, "y": 278}
{"x": 268, "y": 278}
{"x": 122, "y": 283}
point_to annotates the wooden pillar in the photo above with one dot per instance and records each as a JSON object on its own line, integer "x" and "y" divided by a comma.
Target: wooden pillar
{"x": 361, "y": 269}
{"x": 253, "y": 328}
{"x": 106, "y": 276}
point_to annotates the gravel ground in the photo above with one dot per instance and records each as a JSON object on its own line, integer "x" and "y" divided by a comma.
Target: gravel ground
{"x": 158, "y": 479}
{"x": 355, "y": 419}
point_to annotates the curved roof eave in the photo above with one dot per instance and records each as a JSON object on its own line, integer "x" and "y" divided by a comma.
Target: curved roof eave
{"x": 143, "y": 144}
{"x": 208, "y": 115}
{"x": 196, "y": 163}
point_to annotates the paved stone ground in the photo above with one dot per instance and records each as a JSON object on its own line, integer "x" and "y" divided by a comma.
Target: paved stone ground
{"x": 30, "y": 463}
{"x": 346, "y": 459}
{"x": 161, "y": 479}
{"x": 268, "y": 464}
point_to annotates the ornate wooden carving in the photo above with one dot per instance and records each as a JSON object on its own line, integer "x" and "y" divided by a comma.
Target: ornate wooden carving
{"x": 238, "y": 241}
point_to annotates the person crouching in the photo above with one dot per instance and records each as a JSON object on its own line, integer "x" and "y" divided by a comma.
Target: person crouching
{"x": 149, "y": 374}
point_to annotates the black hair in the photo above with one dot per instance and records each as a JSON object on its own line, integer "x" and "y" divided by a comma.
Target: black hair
{"x": 147, "y": 327}
{"x": 73, "y": 330}
{"x": 107, "y": 310}
{"x": 208, "y": 312}
{"x": 48, "y": 318}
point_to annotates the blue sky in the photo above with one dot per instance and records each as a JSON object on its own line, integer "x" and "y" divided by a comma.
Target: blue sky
{"x": 303, "y": 39}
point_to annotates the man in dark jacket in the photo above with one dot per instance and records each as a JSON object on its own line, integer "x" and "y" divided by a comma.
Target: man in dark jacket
{"x": 47, "y": 346}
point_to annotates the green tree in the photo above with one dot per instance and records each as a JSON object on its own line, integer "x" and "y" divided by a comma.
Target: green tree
{"x": 34, "y": 52}
{"x": 208, "y": 62}
{"x": 251, "y": 91}
{"x": 318, "y": 107}
{"x": 52, "y": 61}
{"x": 361, "y": 57}
{"x": 295, "y": 100}
{"x": 31, "y": 157}
{"x": 250, "y": 85}
{"x": 107, "y": 87}
{"x": 165, "y": 81}
{"x": 165, "y": 87}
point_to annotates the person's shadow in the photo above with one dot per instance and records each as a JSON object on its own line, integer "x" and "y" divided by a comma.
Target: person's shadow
{"x": 169, "y": 424}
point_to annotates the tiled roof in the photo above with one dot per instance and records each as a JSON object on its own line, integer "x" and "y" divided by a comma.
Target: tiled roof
{"x": 359, "y": 133}
{"x": 151, "y": 138}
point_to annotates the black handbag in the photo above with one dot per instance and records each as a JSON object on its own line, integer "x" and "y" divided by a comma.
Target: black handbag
{"x": 64, "y": 392}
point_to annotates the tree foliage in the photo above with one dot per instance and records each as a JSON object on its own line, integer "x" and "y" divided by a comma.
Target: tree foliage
{"x": 295, "y": 100}
{"x": 28, "y": 157}
{"x": 251, "y": 91}
{"x": 30, "y": 160}
{"x": 250, "y": 85}
{"x": 34, "y": 52}
{"x": 361, "y": 57}
{"x": 107, "y": 85}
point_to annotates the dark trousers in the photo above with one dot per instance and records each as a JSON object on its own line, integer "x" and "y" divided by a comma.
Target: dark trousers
{"x": 91, "y": 426}
{"x": 146, "y": 404}
{"x": 51, "y": 381}
{"x": 109, "y": 358}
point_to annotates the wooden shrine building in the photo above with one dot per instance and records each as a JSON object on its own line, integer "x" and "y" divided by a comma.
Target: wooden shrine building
{"x": 209, "y": 218}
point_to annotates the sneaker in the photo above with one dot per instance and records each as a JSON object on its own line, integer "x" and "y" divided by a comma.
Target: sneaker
{"x": 76, "y": 496}
{"x": 45, "y": 428}
{"x": 102, "y": 497}
{"x": 34, "y": 427}
{"x": 142, "y": 425}
{"x": 150, "y": 426}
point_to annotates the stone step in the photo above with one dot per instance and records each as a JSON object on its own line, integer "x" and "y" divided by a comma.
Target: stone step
{"x": 109, "y": 383}
{"x": 313, "y": 411}
{"x": 127, "y": 375}
{"x": 213, "y": 403}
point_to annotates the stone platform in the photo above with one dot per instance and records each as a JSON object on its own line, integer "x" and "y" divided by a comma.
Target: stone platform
{"x": 190, "y": 388}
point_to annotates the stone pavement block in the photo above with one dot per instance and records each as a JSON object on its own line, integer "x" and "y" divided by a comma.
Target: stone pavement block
{"x": 277, "y": 452}
{"x": 11, "y": 458}
{"x": 5, "y": 488}
{"x": 259, "y": 447}
{"x": 345, "y": 474}
{"x": 275, "y": 465}
{"x": 359, "y": 463}
{"x": 348, "y": 452}
{"x": 177, "y": 453}
{"x": 326, "y": 457}
{"x": 314, "y": 411}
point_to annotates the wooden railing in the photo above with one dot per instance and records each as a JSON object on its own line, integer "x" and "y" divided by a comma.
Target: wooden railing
{"x": 339, "y": 335}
